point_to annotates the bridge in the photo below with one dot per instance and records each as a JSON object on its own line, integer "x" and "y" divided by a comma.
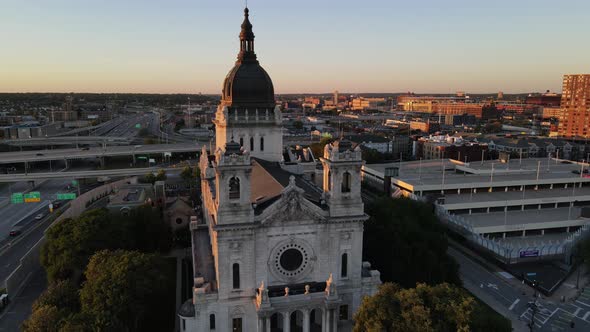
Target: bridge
{"x": 68, "y": 140}
{"x": 4, "y": 178}
{"x": 96, "y": 152}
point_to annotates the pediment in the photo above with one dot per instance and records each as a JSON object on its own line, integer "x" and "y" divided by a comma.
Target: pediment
{"x": 292, "y": 207}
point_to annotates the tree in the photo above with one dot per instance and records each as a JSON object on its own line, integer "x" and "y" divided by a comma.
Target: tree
{"x": 161, "y": 175}
{"x": 150, "y": 178}
{"x": 405, "y": 235}
{"x": 46, "y": 318}
{"x": 318, "y": 148}
{"x": 422, "y": 309}
{"x": 62, "y": 294}
{"x": 124, "y": 289}
{"x": 53, "y": 308}
{"x": 70, "y": 243}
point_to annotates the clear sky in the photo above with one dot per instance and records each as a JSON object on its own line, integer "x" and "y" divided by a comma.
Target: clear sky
{"x": 188, "y": 46}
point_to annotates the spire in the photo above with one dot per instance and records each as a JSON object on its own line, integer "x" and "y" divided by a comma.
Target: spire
{"x": 246, "y": 40}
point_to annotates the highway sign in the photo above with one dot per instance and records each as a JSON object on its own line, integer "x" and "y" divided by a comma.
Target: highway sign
{"x": 531, "y": 274}
{"x": 142, "y": 158}
{"x": 17, "y": 198}
{"x": 74, "y": 182}
{"x": 138, "y": 126}
{"x": 32, "y": 197}
{"x": 66, "y": 196}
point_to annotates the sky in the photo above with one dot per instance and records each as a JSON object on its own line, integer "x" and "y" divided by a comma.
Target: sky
{"x": 306, "y": 46}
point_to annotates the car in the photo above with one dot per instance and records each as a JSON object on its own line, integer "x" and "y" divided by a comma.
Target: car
{"x": 39, "y": 216}
{"x": 85, "y": 149}
{"x": 39, "y": 154}
{"x": 16, "y": 230}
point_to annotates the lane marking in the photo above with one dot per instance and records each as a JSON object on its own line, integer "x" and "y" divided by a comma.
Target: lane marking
{"x": 582, "y": 303}
{"x": 514, "y": 304}
{"x": 586, "y": 315}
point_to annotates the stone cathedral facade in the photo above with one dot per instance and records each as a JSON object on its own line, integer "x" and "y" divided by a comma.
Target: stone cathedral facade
{"x": 272, "y": 251}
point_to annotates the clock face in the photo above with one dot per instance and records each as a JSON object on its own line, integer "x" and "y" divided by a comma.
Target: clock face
{"x": 291, "y": 260}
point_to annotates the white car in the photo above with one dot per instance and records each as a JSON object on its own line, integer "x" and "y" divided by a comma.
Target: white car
{"x": 39, "y": 216}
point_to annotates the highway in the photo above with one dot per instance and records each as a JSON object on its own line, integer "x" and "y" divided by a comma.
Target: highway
{"x": 12, "y": 213}
{"x": 6, "y": 178}
{"x": 95, "y": 152}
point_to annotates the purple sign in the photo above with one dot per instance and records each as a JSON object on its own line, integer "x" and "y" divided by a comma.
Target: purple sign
{"x": 529, "y": 253}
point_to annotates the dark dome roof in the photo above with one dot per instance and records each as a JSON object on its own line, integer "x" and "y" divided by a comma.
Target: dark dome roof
{"x": 248, "y": 85}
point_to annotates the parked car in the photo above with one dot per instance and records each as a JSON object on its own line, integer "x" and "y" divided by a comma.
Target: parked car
{"x": 16, "y": 230}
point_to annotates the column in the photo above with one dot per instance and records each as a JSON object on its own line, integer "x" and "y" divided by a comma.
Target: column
{"x": 260, "y": 324}
{"x": 327, "y": 320}
{"x": 335, "y": 319}
{"x": 286, "y": 322}
{"x": 324, "y": 320}
{"x": 267, "y": 323}
{"x": 305, "y": 320}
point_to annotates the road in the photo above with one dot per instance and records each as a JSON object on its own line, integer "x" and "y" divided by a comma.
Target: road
{"x": 95, "y": 152}
{"x": 84, "y": 174}
{"x": 12, "y": 213}
{"x": 497, "y": 288}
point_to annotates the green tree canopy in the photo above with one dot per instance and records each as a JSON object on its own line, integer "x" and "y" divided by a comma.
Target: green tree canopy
{"x": 404, "y": 240}
{"x": 70, "y": 243}
{"x": 161, "y": 175}
{"x": 422, "y": 309}
{"x": 124, "y": 289}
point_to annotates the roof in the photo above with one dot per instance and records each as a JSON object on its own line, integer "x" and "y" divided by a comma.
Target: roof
{"x": 265, "y": 177}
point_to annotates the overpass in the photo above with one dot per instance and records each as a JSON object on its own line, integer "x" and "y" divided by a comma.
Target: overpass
{"x": 68, "y": 140}
{"x": 95, "y": 152}
{"x": 4, "y": 178}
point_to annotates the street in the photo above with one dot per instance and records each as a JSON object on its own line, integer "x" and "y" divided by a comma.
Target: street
{"x": 502, "y": 293}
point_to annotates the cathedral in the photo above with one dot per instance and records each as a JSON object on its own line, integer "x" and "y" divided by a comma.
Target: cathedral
{"x": 276, "y": 248}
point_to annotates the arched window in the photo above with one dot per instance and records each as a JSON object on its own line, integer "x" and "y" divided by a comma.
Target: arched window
{"x": 236, "y": 275}
{"x": 261, "y": 143}
{"x": 212, "y": 322}
{"x": 251, "y": 143}
{"x": 234, "y": 188}
{"x": 346, "y": 182}
{"x": 344, "y": 266}
{"x": 241, "y": 141}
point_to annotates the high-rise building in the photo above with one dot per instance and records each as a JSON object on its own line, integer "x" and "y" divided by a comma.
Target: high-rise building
{"x": 336, "y": 98}
{"x": 574, "y": 119}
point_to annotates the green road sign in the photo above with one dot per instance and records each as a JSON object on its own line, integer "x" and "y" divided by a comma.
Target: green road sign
{"x": 66, "y": 196}
{"x": 142, "y": 158}
{"x": 32, "y": 197}
{"x": 74, "y": 182}
{"x": 17, "y": 198}
{"x": 138, "y": 126}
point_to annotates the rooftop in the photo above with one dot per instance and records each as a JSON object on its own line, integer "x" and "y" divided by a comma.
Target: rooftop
{"x": 452, "y": 174}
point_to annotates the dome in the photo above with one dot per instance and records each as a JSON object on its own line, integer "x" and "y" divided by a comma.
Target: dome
{"x": 248, "y": 85}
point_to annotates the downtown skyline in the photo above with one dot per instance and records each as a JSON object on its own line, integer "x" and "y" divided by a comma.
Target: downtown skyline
{"x": 374, "y": 46}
